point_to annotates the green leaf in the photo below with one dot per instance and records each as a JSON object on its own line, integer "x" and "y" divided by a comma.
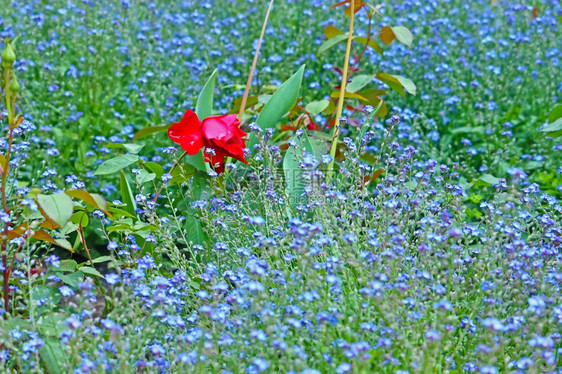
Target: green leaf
{"x": 121, "y": 213}
{"x": 129, "y": 147}
{"x": 282, "y": 100}
{"x": 54, "y": 356}
{"x": 95, "y": 200}
{"x": 294, "y": 183}
{"x": 113, "y": 165}
{"x": 403, "y": 35}
{"x": 204, "y": 106}
{"x": 88, "y": 270}
{"x": 555, "y": 114}
{"x": 371, "y": 43}
{"x": 200, "y": 187}
{"x": 553, "y": 129}
{"x": 398, "y": 83}
{"x": 316, "y": 107}
{"x": 127, "y": 194}
{"x": 331, "y": 43}
{"x": 203, "y": 109}
{"x": 144, "y": 177}
{"x": 80, "y": 218}
{"x": 67, "y": 265}
{"x": 469, "y": 130}
{"x": 194, "y": 231}
{"x": 101, "y": 259}
{"x": 58, "y": 207}
{"x": 143, "y": 133}
{"x": 358, "y": 82}
{"x": 72, "y": 279}
{"x": 155, "y": 168}
{"x": 486, "y": 180}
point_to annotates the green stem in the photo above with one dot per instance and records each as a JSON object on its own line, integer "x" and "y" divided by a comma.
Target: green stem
{"x": 342, "y": 94}
{"x": 254, "y": 63}
{"x": 7, "y": 270}
{"x": 157, "y": 193}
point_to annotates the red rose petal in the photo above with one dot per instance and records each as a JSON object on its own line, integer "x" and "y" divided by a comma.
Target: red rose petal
{"x": 187, "y": 133}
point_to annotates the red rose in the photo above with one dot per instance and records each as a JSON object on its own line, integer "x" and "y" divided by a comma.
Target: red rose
{"x": 222, "y": 134}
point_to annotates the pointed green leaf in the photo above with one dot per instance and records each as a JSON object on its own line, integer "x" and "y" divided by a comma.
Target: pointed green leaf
{"x": 147, "y": 131}
{"x": 553, "y": 129}
{"x": 194, "y": 231}
{"x": 113, "y": 165}
{"x": 282, "y": 100}
{"x": 403, "y": 35}
{"x": 155, "y": 168}
{"x": 204, "y": 106}
{"x": 58, "y": 207}
{"x": 398, "y": 83}
{"x": 88, "y": 270}
{"x": 370, "y": 42}
{"x": 555, "y": 114}
{"x": 359, "y": 81}
{"x": 127, "y": 195}
{"x": 486, "y": 180}
{"x": 316, "y": 107}
{"x": 294, "y": 182}
{"x": 331, "y": 42}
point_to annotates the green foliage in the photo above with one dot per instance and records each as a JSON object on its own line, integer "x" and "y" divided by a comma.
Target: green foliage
{"x": 281, "y": 101}
{"x": 113, "y": 165}
{"x": 58, "y": 207}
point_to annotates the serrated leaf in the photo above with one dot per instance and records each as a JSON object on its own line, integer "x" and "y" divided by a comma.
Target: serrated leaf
{"x": 113, "y": 165}
{"x": 58, "y": 207}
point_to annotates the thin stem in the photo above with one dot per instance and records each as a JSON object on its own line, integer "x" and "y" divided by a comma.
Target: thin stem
{"x": 4, "y": 248}
{"x": 254, "y": 63}
{"x": 342, "y": 93}
{"x": 157, "y": 193}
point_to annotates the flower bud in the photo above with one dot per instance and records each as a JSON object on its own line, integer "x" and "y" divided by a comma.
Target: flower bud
{"x": 8, "y": 56}
{"x": 14, "y": 84}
